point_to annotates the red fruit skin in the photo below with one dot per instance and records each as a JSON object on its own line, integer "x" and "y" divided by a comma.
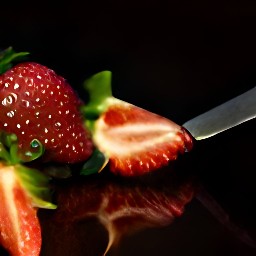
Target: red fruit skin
{"x": 20, "y": 232}
{"x": 125, "y": 133}
{"x": 36, "y": 103}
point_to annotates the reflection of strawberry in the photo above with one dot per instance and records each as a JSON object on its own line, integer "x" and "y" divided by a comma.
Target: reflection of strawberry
{"x": 38, "y": 104}
{"x": 20, "y": 231}
{"x": 136, "y": 141}
{"x": 122, "y": 208}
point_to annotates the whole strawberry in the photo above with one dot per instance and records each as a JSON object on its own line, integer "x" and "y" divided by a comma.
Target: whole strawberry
{"x": 37, "y": 104}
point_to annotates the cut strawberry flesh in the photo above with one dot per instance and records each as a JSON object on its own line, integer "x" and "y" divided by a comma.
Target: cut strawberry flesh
{"x": 138, "y": 141}
{"x": 20, "y": 232}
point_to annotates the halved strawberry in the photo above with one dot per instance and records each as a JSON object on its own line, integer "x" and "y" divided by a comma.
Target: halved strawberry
{"x": 136, "y": 141}
{"x": 38, "y": 104}
{"x": 20, "y": 231}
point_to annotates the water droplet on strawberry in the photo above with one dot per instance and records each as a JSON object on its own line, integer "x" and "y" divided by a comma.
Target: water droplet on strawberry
{"x": 34, "y": 143}
{"x": 25, "y": 103}
{"x": 10, "y": 99}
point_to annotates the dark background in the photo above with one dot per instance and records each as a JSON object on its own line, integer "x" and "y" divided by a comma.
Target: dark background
{"x": 177, "y": 59}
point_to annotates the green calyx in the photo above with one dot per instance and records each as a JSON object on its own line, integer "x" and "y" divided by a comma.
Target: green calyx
{"x": 95, "y": 163}
{"x": 99, "y": 88}
{"x": 8, "y": 56}
{"x": 9, "y": 149}
{"x": 36, "y": 184}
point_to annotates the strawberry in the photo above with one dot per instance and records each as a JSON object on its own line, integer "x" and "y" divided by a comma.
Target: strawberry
{"x": 20, "y": 232}
{"x": 138, "y": 141}
{"x": 135, "y": 140}
{"x": 37, "y": 104}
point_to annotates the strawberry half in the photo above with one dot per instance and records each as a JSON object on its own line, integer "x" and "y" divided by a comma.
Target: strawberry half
{"x": 135, "y": 140}
{"x": 38, "y": 104}
{"x": 20, "y": 232}
{"x": 138, "y": 141}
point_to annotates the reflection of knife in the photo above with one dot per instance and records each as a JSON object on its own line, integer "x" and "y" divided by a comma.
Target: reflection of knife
{"x": 229, "y": 114}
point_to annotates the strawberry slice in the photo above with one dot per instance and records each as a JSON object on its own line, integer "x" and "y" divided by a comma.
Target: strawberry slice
{"x": 135, "y": 140}
{"x": 20, "y": 232}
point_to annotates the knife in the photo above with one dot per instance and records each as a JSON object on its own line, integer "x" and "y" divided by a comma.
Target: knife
{"x": 225, "y": 116}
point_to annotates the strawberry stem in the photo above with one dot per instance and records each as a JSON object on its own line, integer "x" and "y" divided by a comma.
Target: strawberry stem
{"x": 4, "y": 154}
{"x": 99, "y": 89}
{"x": 8, "y": 56}
{"x": 14, "y": 154}
{"x": 6, "y": 142}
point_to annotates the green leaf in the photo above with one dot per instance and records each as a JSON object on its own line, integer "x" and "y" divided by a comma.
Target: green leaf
{"x": 99, "y": 89}
{"x": 95, "y": 163}
{"x": 37, "y": 186}
{"x": 4, "y": 154}
{"x": 8, "y": 56}
{"x": 8, "y": 138}
{"x": 6, "y": 141}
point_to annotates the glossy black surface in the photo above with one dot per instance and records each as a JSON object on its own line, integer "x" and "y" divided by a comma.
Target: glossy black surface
{"x": 178, "y": 60}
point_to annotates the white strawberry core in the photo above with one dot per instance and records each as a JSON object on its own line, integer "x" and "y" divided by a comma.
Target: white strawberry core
{"x": 135, "y": 137}
{"x": 9, "y": 180}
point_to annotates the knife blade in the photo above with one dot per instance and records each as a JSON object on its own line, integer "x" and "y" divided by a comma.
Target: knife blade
{"x": 225, "y": 116}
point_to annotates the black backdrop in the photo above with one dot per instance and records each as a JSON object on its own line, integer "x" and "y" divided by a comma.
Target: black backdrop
{"x": 175, "y": 58}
